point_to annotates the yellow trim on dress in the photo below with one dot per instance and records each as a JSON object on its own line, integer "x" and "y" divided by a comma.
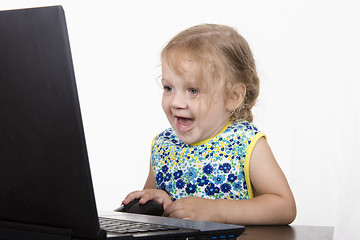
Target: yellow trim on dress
{"x": 206, "y": 140}
{"x": 247, "y": 162}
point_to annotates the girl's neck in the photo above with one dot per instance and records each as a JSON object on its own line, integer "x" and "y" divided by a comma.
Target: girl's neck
{"x": 206, "y": 140}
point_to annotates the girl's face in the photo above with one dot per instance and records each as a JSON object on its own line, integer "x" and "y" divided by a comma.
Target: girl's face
{"x": 195, "y": 113}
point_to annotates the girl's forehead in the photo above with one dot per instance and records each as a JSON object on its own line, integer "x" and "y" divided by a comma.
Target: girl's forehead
{"x": 186, "y": 74}
{"x": 183, "y": 67}
{"x": 200, "y": 72}
{"x": 180, "y": 64}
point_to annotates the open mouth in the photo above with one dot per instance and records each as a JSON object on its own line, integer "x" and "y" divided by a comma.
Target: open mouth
{"x": 184, "y": 124}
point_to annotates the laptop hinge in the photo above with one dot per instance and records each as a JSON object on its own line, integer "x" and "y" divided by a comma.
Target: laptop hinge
{"x": 14, "y": 231}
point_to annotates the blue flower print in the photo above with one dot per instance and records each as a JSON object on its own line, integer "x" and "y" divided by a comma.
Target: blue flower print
{"x": 159, "y": 178}
{"x": 213, "y": 169}
{"x": 180, "y": 184}
{"x": 178, "y": 174}
{"x": 167, "y": 177}
{"x": 190, "y": 188}
{"x": 208, "y": 169}
{"x": 191, "y": 174}
{"x": 165, "y": 168}
{"x": 211, "y": 189}
{"x": 225, "y": 187}
{"x": 237, "y": 186}
{"x": 202, "y": 181}
{"x": 231, "y": 178}
{"x": 218, "y": 179}
{"x": 163, "y": 186}
{"x": 170, "y": 187}
{"x": 225, "y": 167}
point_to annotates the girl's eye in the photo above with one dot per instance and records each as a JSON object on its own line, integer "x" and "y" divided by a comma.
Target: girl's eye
{"x": 193, "y": 91}
{"x": 168, "y": 88}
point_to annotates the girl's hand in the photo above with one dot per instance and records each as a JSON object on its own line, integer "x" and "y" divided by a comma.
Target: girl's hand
{"x": 145, "y": 195}
{"x": 194, "y": 208}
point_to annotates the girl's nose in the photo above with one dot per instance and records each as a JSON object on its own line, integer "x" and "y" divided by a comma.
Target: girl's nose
{"x": 178, "y": 101}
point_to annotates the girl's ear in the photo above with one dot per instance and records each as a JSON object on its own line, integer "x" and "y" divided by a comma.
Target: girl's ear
{"x": 236, "y": 97}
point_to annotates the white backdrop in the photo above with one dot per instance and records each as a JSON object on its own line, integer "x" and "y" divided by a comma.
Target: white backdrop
{"x": 307, "y": 53}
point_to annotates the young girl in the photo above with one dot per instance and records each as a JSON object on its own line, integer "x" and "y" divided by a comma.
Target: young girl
{"x": 213, "y": 164}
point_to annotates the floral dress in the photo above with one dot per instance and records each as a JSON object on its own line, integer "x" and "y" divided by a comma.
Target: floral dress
{"x": 216, "y": 168}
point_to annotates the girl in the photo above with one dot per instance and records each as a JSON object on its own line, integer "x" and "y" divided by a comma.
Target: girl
{"x": 213, "y": 161}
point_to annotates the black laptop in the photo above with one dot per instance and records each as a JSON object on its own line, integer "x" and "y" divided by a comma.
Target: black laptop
{"x": 46, "y": 190}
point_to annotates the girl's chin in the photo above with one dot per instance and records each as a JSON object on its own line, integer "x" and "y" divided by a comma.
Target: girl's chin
{"x": 187, "y": 138}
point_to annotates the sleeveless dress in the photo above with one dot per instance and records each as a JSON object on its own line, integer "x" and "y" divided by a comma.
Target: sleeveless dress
{"x": 216, "y": 168}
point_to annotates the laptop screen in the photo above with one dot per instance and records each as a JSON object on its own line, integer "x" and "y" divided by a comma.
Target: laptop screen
{"x": 44, "y": 170}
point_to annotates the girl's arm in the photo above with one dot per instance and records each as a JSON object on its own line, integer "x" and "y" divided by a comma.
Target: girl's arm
{"x": 273, "y": 202}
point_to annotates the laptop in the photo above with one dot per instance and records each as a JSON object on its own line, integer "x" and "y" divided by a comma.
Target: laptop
{"x": 45, "y": 179}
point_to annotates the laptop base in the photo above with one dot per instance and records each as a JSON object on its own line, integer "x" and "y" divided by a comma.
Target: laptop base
{"x": 13, "y": 231}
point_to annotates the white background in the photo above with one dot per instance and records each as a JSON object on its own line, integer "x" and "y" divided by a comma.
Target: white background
{"x": 307, "y": 53}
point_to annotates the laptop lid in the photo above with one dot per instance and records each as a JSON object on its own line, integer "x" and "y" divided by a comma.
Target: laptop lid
{"x": 44, "y": 171}
{"x": 45, "y": 181}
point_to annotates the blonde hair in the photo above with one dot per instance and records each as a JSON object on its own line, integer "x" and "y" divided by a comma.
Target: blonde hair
{"x": 221, "y": 51}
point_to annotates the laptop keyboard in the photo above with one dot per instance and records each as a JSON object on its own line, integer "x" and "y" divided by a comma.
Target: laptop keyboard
{"x": 125, "y": 226}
